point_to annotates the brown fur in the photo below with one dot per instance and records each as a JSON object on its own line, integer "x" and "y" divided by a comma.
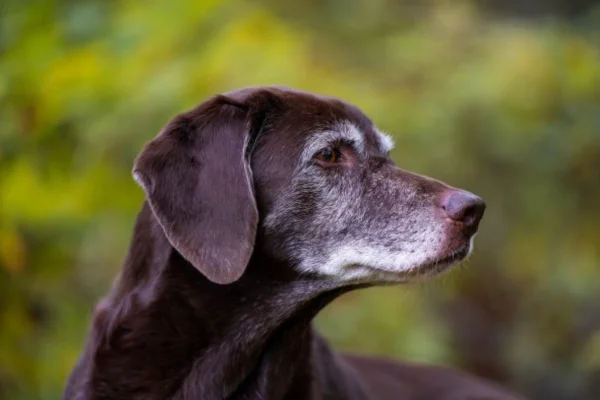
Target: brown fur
{"x": 206, "y": 306}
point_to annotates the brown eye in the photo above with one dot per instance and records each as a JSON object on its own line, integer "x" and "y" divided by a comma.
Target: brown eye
{"x": 328, "y": 155}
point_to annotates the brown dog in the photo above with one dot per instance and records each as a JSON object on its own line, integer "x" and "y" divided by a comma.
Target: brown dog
{"x": 263, "y": 205}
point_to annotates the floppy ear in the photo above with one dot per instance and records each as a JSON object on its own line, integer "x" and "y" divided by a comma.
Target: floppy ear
{"x": 198, "y": 183}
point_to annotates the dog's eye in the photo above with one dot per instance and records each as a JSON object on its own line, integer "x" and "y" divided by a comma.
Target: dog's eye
{"x": 328, "y": 155}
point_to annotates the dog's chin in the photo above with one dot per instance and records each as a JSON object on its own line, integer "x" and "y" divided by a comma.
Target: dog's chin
{"x": 427, "y": 269}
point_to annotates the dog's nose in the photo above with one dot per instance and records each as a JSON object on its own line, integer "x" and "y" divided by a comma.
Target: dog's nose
{"x": 464, "y": 207}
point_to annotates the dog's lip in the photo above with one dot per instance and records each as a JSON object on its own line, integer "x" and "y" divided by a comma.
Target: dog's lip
{"x": 454, "y": 256}
{"x": 428, "y": 268}
{"x": 446, "y": 261}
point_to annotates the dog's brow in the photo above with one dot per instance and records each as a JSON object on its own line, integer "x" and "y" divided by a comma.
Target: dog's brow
{"x": 386, "y": 143}
{"x": 343, "y": 131}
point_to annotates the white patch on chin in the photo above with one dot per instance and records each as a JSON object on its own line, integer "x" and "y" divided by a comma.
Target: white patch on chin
{"x": 360, "y": 262}
{"x": 386, "y": 143}
{"x": 363, "y": 263}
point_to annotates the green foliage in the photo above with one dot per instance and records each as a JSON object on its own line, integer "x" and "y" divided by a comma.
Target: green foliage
{"x": 508, "y": 110}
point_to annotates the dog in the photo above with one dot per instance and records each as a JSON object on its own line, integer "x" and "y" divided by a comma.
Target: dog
{"x": 262, "y": 206}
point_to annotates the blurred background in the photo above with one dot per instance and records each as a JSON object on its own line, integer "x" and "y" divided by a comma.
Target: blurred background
{"x": 499, "y": 97}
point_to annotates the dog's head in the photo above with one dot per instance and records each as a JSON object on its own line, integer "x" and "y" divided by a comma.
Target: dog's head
{"x": 312, "y": 176}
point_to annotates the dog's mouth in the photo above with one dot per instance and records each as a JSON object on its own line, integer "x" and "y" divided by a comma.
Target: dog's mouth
{"x": 444, "y": 262}
{"x": 426, "y": 269}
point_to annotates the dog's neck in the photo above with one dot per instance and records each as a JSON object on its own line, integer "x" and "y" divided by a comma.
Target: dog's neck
{"x": 262, "y": 336}
{"x": 225, "y": 342}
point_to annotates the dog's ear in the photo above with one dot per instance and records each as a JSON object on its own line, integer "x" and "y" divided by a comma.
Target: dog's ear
{"x": 198, "y": 182}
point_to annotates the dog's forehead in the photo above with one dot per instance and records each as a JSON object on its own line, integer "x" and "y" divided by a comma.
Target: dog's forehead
{"x": 312, "y": 117}
{"x": 321, "y": 118}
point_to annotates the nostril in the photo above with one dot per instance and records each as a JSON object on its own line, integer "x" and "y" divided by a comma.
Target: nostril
{"x": 464, "y": 207}
{"x": 470, "y": 212}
